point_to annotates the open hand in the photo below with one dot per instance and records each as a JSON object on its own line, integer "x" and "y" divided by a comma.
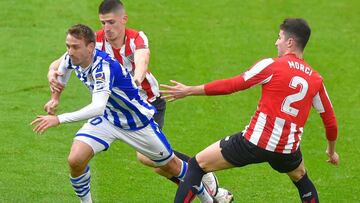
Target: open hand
{"x": 42, "y": 123}
{"x": 177, "y": 91}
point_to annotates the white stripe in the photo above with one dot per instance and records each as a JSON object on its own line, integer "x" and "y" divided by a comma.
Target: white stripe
{"x": 275, "y": 134}
{"x": 266, "y": 80}
{"x": 327, "y": 95}
{"x": 125, "y": 61}
{"x": 258, "y": 129}
{"x": 257, "y": 68}
{"x": 143, "y": 36}
{"x": 108, "y": 49}
{"x": 300, "y": 136}
{"x": 99, "y": 45}
{"x": 317, "y": 104}
{"x": 154, "y": 86}
{"x": 291, "y": 139}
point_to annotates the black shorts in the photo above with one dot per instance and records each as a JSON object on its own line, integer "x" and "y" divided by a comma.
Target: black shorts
{"x": 160, "y": 105}
{"x": 240, "y": 152}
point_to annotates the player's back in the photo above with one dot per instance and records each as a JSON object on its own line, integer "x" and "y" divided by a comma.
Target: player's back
{"x": 290, "y": 92}
{"x": 287, "y": 97}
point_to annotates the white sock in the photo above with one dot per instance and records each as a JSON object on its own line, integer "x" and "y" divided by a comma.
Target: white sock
{"x": 81, "y": 186}
{"x": 203, "y": 195}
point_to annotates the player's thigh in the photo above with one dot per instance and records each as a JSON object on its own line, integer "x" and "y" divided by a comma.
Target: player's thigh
{"x": 285, "y": 163}
{"x": 211, "y": 158}
{"x": 98, "y": 133}
{"x": 149, "y": 141}
{"x": 80, "y": 154}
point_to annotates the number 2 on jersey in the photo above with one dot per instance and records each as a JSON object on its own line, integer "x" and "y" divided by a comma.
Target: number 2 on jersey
{"x": 295, "y": 81}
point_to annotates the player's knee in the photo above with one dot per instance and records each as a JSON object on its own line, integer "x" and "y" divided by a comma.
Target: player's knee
{"x": 297, "y": 174}
{"x": 75, "y": 162}
{"x": 202, "y": 163}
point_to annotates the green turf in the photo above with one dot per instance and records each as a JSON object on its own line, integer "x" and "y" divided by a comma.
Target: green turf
{"x": 192, "y": 42}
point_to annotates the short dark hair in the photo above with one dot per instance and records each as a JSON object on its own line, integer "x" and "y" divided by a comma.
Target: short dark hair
{"x": 109, "y": 6}
{"x": 81, "y": 31}
{"x": 298, "y": 29}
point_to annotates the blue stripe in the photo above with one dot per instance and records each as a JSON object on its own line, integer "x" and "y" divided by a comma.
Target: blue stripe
{"x": 125, "y": 112}
{"x": 75, "y": 180}
{"x": 202, "y": 189}
{"x": 116, "y": 118}
{"x": 162, "y": 138}
{"x": 131, "y": 106}
{"x": 147, "y": 105}
{"x": 82, "y": 189}
{"x": 80, "y": 184}
{"x": 83, "y": 195}
{"x": 96, "y": 139}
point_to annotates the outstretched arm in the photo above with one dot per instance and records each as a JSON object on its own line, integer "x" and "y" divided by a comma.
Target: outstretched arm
{"x": 96, "y": 108}
{"x": 180, "y": 90}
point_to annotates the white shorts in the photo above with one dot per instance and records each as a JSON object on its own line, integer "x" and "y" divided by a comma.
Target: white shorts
{"x": 99, "y": 133}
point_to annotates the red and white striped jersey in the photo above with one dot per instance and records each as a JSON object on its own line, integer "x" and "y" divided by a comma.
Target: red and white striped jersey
{"x": 289, "y": 88}
{"x": 125, "y": 55}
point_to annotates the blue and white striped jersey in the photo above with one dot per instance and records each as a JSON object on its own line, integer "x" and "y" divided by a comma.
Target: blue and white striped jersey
{"x": 125, "y": 108}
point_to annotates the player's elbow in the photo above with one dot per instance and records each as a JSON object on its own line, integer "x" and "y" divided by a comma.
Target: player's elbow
{"x": 98, "y": 110}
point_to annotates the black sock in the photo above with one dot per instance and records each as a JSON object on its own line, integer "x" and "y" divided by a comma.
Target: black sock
{"x": 182, "y": 156}
{"x": 175, "y": 180}
{"x": 186, "y": 192}
{"x": 307, "y": 190}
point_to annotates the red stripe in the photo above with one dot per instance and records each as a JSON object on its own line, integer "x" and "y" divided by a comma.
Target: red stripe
{"x": 147, "y": 87}
{"x": 117, "y": 55}
{"x": 296, "y": 138}
{"x": 312, "y": 200}
{"x": 127, "y": 44}
{"x": 189, "y": 197}
{"x": 266, "y": 133}
{"x": 284, "y": 137}
{"x": 250, "y": 129}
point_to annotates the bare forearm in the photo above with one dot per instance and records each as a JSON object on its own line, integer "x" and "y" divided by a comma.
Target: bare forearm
{"x": 54, "y": 66}
{"x": 195, "y": 90}
{"x": 141, "y": 58}
{"x": 331, "y": 147}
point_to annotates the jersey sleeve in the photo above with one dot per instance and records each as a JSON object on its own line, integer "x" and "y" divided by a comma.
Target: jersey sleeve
{"x": 103, "y": 77}
{"x": 260, "y": 73}
{"x": 322, "y": 104}
{"x": 65, "y": 68}
{"x": 141, "y": 41}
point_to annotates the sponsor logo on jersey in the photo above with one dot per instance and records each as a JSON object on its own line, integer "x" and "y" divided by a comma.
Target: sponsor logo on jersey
{"x": 100, "y": 76}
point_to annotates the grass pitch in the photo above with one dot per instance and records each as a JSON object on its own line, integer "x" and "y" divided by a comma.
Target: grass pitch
{"x": 192, "y": 42}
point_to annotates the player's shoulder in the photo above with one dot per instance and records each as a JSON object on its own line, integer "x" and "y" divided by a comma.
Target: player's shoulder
{"x": 100, "y": 35}
{"x": 132, "y": 33}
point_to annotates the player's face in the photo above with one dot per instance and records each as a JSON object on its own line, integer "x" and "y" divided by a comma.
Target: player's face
{"x": 281, "y": 43}
{"x": 79, "y": 52}
{"x": 113, "y": 24}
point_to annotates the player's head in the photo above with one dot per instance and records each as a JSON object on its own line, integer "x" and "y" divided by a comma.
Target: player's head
{"x": 113, "y": 18}
{"x": 80, "y": 43}
{"x": 293, "y": 36}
